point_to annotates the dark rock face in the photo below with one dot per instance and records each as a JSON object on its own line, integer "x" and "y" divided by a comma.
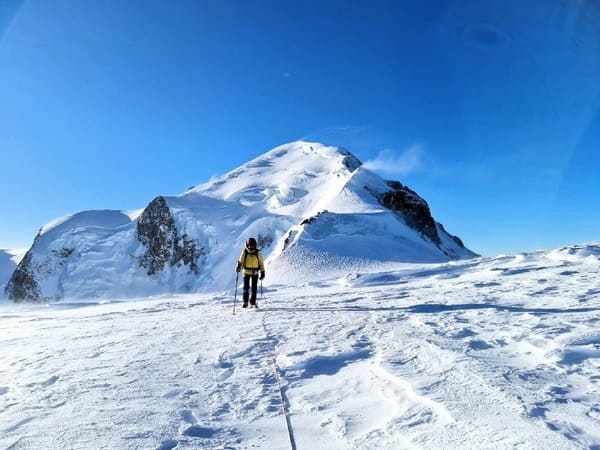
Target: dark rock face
{"x": 263, "y": 241}
{"x": 413, "y": 208}
{"x": 157, "y": 231}
{"x": 23, "y": 286}
{"x": 291, "y": 234}
{"x": 351, "y": 162}
{"x": 417, "y": 215}
{"x": 311, "y": 219}
{"x": 185, "y": 252}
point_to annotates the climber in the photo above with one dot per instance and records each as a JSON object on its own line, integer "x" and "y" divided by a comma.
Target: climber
{"x": 251, "y": 261}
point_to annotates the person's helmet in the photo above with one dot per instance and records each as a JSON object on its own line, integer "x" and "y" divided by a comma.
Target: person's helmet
{"x": 251, "y": 243}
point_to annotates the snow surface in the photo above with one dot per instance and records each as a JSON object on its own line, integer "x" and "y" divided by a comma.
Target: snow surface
{"x": 476, "y": 354}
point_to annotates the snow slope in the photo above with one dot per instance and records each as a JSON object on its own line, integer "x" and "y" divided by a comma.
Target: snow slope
{"x": 497, "y": 353}
{"x": 309, "y": 205}
{"x": 8, "y": 262}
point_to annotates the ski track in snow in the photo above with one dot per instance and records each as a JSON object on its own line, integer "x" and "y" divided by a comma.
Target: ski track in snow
{"x": 486, "y": 354}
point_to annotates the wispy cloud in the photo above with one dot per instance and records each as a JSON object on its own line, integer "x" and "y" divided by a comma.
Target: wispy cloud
{"x": 390, "y": 162}
{"x": 346, "y": 129}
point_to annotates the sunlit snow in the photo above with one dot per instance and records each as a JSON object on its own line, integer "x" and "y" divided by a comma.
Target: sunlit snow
{"x": 491, "y": 353}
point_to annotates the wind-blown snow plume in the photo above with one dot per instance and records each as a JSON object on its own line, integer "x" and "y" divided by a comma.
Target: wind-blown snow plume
{"x": 390, "y": 163}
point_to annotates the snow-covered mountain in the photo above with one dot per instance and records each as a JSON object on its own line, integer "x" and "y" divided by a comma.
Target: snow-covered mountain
{"x": 9, "y": 259}
{"x": 309, "y": 205}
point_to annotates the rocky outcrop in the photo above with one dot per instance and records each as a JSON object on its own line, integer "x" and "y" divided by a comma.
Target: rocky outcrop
{"x": 263, "y": 241}
{"x": 157, "y": 231}
{"x": 23, "y": 286}
{"x": 413, "y": 208}
{"x": 311, "y": 219}
{"x": 186, "y": 253}
{"x": 288, "y": 238}
{"x": 351, "y": 162}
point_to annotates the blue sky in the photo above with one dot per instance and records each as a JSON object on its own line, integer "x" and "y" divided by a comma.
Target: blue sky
{"x": 489, "y": 110}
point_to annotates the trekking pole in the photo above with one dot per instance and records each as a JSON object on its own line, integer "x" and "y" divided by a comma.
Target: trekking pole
{"x": 235, "y": 295}
{"x": 262, "y": 296}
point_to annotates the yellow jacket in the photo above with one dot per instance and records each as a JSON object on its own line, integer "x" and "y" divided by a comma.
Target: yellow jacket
{"x": 251, "y": 262}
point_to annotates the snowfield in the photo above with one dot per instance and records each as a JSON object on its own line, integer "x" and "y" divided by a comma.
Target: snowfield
{"x": 491, "y": 353}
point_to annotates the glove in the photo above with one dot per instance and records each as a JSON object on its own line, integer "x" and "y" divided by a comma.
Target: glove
{"x": 262, "y": 274}
{"x": 238, "y": 267}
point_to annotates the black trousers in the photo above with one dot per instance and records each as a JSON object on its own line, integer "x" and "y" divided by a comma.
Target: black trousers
{"x": 247, "y": 293}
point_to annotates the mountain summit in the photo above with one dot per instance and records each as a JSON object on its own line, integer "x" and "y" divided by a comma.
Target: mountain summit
{"x": 311, "y": 207}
